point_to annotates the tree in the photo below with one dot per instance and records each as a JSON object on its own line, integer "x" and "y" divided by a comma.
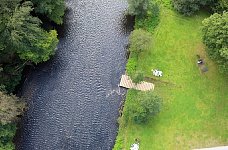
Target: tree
{"x": 215, "y": 37}
{"x": 138, "y": 7}
{"x": 141, "y": 105}
{"x": 10, "y": 108}
{"x": 54, "y": 9}
{"x": 189, "y": 7}
{"x": 21, "y": 34}
{"x": 220, "y": 6}
{"x": 139, "y": 40}
{"x": 7, "y": 133}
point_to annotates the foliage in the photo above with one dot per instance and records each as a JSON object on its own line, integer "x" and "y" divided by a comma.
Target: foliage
{"x": 44, "y": 47}
{"x": 54, "y": 9}
{"x": 140, "y": 105}
{"x": 139, "y": 40}
{"x": 215, "y": 37}
{"x": 131, "y": 65}
{"x": 189, "y": 7}
{"x": 7, "y": 133}
{"x": 138, "y": 76}
{"x": 220, "y": 6}
{"x": 10, "y": 108}
{"x": 138, "y": 7}
{"x": 10, "y": 75}
{"x": 150, "y": 21}
{"x": 22, "y": 35}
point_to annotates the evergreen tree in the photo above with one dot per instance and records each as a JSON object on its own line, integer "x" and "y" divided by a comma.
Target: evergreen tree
{"x": 22, "y": 34}
{"x": 7, "y": 133}
{"x": 54, "y": 9}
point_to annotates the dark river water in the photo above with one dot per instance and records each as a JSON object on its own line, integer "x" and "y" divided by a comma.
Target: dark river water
{"x": 74, "y": 98}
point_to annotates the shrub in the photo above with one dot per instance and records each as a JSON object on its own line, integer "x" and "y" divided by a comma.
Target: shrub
{"x": 137, "y": 77}
{"x": 139, "y": 106}
{"x": 149, "y": 22}
{"x": 139, "y": 40}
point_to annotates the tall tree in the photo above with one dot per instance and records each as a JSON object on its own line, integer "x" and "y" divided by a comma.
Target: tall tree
{"x": 10, "y": 108}
{"x": 215, "y": 37}
{"x": 189, "y": 7}
{"x": 7, "y": 133}
{"x": 220, "y": 6}
{"x": 54, "y": 9}
{"x": 22, "y": 34}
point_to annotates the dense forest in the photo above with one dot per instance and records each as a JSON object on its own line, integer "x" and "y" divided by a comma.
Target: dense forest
{"x": 23, "y": 41}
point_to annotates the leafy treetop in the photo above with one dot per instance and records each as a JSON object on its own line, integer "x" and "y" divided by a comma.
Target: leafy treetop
{"x": 215, "y": 37}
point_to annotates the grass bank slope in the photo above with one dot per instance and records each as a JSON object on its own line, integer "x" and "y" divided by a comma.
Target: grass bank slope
{"x": 195, "y": 110}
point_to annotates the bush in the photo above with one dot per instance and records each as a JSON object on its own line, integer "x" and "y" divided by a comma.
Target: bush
{"x": 139, "y": 106}
{"x": 137, "y": 77}
{"x": 189, "y": 7}
{"x": 215, "y": 38}
{"x": 151, "y": 21}
{"x": 10, "y": 108}
{"x": 138, "y": 7}
{"x": 139, "y": 40}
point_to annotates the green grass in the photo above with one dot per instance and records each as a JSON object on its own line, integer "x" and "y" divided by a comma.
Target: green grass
{"x": 195, "y": 109}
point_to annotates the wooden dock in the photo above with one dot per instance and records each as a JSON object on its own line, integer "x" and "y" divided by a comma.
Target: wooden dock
{"x": 126, "y": 82}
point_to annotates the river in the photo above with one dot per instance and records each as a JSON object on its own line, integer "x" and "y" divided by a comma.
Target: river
{"x": 73, "y": 99}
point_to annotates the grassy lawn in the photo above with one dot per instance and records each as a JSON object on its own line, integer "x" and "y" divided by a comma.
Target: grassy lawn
{"x": 195, "y": 109}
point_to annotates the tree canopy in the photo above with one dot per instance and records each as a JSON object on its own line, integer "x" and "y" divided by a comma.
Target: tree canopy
{"x": 7, "y": 132}
{"x": 215, "y": 37}
{"x": 189, "y": 7}
{"x": 139, "y": 40}
{"x": 53, "y": 9}
{"x": 141, "y": 105}
{"x": 220, "y": 6}
{"x": 138, "y": 7}
{"x": 10, "y": 108}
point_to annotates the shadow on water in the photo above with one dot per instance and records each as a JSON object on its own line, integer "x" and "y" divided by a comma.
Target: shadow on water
{"x": 73, "y": 99}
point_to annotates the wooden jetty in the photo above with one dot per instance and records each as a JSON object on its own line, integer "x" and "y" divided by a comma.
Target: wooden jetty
{"x": 126, "y": 82}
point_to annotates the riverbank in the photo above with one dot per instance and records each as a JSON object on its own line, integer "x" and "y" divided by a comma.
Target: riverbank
{"x": 193, "y": 113}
